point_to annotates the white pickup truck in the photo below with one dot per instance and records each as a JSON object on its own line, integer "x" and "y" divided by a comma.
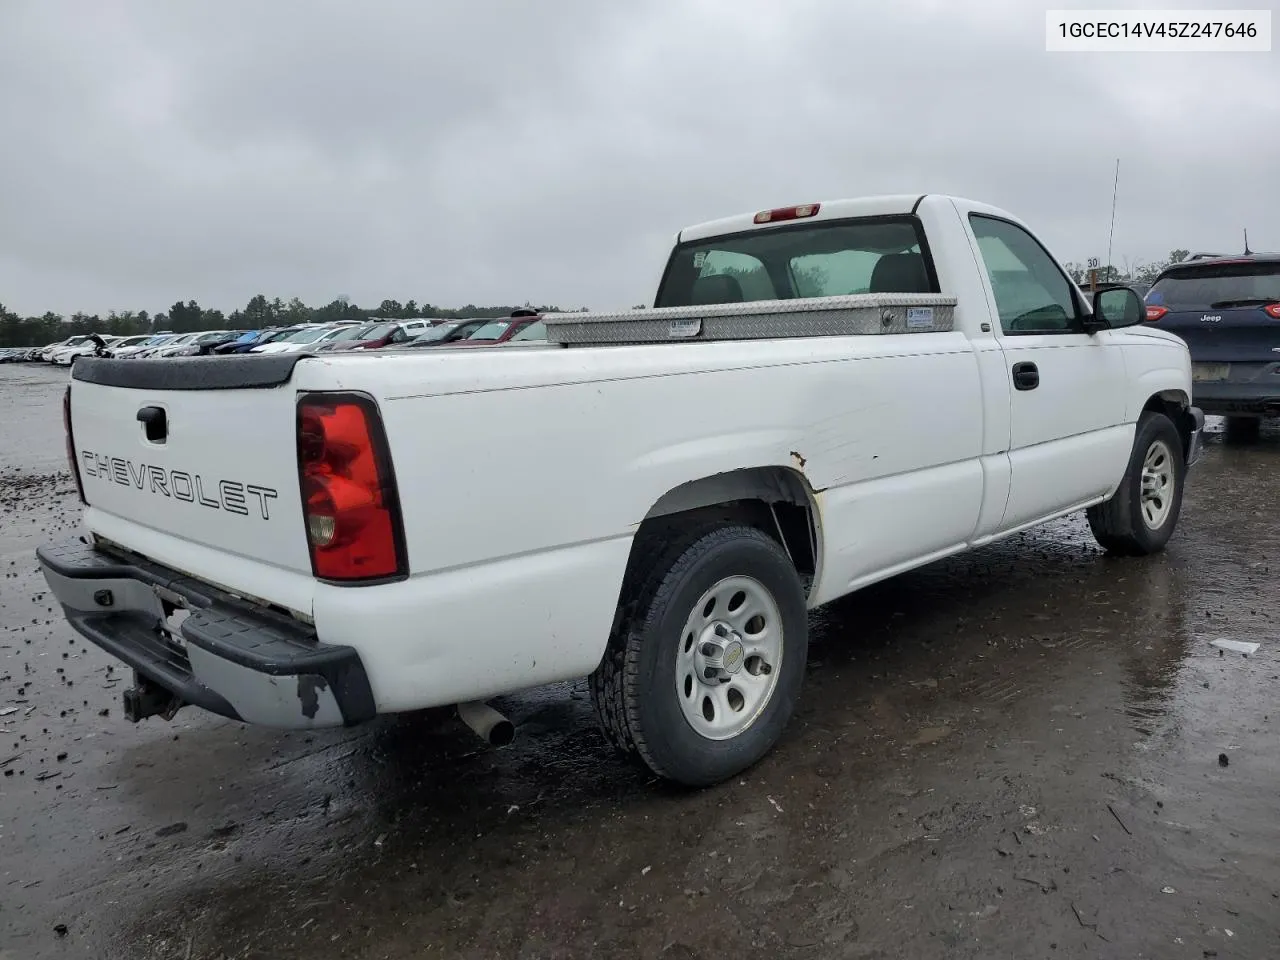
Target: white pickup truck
{"x": 823, "y": 396}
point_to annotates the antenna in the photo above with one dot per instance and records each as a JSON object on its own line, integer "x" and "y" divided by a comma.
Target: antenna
{"x": 1247, "y": 251}
{"x": 1114, "y": 190}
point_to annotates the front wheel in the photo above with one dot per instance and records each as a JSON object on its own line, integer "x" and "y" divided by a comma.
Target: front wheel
{"x": 1141, "y": 516}
{"x": 703, "y": 673}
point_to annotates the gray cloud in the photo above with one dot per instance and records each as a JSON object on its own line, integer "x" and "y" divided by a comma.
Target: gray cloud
{"x": 504, "y": 151}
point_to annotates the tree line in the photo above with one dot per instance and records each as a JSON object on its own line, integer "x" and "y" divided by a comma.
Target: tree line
{"x": 259, "y": 312}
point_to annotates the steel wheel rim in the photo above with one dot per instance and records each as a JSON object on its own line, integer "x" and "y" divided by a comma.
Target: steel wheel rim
{"x": 729, "y": 657}
{"x": 1156, "y": 497}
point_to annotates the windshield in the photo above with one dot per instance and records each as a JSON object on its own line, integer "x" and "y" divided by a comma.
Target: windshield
{"x": 131, "y": 341}
{"x": 306, "y": 336}
{"x": 534, "y": 331}
{"x": 377, "y": 331}
{"x": 435, "y": 333}
{"x": 490, "y": 331}
{"x": 75, "y": 341}
{"x": 1213, "y": 285}
{"x": 829, "y": 259}
{"x": 352, "y": 332}
{"x": 215, "y": 335}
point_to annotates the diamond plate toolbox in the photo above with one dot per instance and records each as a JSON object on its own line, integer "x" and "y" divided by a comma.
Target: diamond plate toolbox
{"x": 858, "y": 314}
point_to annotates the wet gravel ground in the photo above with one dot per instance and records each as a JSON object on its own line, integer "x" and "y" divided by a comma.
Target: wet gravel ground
{"x": 1030, "y": 751}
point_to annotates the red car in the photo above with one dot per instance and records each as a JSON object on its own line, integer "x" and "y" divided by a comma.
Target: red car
{"x": 498, "y": 330}
{"x": 387, "y": 333}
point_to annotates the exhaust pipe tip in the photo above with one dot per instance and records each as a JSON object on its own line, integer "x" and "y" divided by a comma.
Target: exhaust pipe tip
{"x": 487, "y": 723}
{"x": 502, "y": 734}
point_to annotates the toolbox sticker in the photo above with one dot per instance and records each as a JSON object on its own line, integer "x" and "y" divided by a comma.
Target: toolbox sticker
{"x": 919, "y": 317}
{"x": 683, "y": 329}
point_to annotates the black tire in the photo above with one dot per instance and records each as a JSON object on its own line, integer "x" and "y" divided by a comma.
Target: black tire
{"x": 1243, "y": 429}
{"x": 1120, "y": 525}
{"x": 634, "y": 688}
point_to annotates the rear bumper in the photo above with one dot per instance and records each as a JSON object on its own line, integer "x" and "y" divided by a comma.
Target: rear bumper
{"x": 1224, "y": 398}
{"x": 229, "y": 658}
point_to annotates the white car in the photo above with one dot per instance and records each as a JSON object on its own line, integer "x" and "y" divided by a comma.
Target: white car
{"x": 703, "y": 474}
{"x": 181, "y": 345}
{"x": 204, "y": 342}
{"x": 305, "y": 339}
{"x": 302, "y": 339}
{"x": 125, "y": 343}
{"x": 144, "y": 348}
{"x": 47, "y": 353}
{"x": 65, "y": 356}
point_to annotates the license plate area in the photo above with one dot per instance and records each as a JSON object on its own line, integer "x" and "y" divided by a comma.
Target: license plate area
{"x": 1201, "y": 372}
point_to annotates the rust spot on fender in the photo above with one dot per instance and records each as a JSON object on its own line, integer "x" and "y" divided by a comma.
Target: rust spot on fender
{"x": 800, "y": 461}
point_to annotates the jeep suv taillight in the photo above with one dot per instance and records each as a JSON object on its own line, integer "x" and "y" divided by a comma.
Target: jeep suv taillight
{"x": 71, "y": 443}
{"x": 349, "y": 499}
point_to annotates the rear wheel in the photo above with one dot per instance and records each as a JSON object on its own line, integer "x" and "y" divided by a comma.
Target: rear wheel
{"x": 704, "y": 670}
{"x": 1243, "y": 429}
{"x": 1140, "y": 518}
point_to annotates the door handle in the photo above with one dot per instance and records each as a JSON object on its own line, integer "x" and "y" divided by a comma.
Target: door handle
{"x": 155, "y": 423}
{"x": 1026, "y": 376}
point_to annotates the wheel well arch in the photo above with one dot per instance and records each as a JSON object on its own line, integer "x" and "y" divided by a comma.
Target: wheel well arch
{"x": 1175, "y": 405}
{"x": 776, "y": 500}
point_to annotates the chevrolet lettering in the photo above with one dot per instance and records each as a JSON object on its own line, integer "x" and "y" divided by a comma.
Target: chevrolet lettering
{"x": 947, "y": 387}
{"x": 232, "y": 496}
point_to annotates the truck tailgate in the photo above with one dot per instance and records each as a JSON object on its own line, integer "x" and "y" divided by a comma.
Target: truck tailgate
{"x": 199, "y": 450}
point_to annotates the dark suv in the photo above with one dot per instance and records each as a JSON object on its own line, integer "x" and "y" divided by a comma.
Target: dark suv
{"x": 1227, "y": 309}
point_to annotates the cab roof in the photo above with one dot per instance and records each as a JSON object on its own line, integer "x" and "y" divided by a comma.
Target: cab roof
{"x": 900, "y": 204}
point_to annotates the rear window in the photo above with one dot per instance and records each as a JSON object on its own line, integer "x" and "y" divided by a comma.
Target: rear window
{"x": 306, "y": 336}
{"x": 882, "y": 255}
{"x": 348, "y": 333}
{"x": 534, "y": 331}
{"x": 377, "y": 332}
{"x": 1217, "y": 285}
{"x": 491, "y": 331}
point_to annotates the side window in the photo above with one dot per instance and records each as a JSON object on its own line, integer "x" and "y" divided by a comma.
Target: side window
{"x": 748, "y": 273}
{"x": 1032, "y": 293}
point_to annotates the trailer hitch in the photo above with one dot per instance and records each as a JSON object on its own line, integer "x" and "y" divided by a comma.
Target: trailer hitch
{"x": 147, "y": 699}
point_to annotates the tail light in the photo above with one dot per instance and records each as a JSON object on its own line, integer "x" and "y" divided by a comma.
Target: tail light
{"x": 788, "y": 213}
{"x": 1272, "y": 310}
{"x": 71, "y": 443}
{"x": 1155, "y": 313}
{"x": 349, "y": 499}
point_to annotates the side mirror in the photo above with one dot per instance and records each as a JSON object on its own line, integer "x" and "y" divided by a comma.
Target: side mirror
{"x": 1118, "y": 307}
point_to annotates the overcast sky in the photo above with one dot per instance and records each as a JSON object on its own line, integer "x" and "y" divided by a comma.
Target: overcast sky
{"x": 457, "y": 151}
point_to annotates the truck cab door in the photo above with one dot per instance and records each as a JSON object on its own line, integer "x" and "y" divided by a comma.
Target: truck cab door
{"x": 1067, "y": 394}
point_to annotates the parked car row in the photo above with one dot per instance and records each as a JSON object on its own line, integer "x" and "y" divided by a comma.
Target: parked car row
{"x": 61, "y": 353}
{"x": 524, "y": 326}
